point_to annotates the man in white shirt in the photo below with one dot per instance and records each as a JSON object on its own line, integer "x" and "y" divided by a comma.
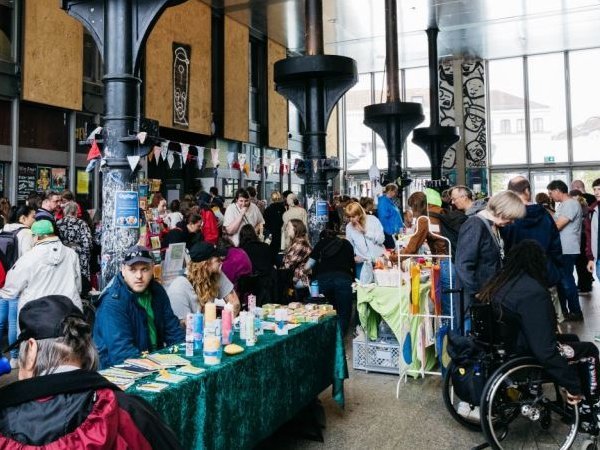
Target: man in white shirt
{"x": 568, "y": 220}
{"x": 240, "y": 213}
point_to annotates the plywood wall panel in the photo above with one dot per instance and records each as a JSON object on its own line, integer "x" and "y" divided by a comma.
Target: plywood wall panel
{"x": 236, "y": 81}
{"x": 277, "y": 104}
{"x": 52, "y": 56}
{"x": 188, "y": 23}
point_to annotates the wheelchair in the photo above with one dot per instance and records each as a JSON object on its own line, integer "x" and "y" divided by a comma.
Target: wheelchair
{"x": 520, "y": 406}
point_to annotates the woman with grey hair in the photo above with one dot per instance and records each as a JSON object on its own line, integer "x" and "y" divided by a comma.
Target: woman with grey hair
{"x": 480, "y": 248}
{"x": 66, "y": 403}
{"x": 76, "y": 234}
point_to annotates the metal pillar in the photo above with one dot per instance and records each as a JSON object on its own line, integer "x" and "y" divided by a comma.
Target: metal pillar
{"x": 120, "y": 29}
{"x": 394, "y": 120}
{"x": 314, "y": 83}
{"x": 435, "y": 139}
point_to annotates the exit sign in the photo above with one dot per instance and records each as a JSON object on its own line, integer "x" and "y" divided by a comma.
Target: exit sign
{"x": 549, "y": 159}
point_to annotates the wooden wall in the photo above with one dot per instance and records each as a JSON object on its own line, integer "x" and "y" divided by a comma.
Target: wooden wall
{"x": 53, "y": 56}
{"x": 188, "y": 23}
{"x": 236, "y": 81}
{"x": 277, "y": 104}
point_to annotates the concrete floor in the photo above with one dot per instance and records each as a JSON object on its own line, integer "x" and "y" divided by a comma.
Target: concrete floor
{"x": 375, "y": 419}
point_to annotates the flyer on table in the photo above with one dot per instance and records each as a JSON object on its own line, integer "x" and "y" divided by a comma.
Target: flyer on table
{"x": 127, "y": 212}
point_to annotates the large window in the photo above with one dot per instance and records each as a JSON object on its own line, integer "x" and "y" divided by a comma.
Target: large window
{"x": 417, "y": 91}
{"x": 359, "y": 137}
{"x": 547, "y": 108}
{"x": 507, "y": 106}
{"x": 585, "y": 98}
{"x": 6, "y": 37}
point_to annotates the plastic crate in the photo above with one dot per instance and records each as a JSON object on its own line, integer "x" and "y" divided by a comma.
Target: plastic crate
{"x": 376, "y": 356}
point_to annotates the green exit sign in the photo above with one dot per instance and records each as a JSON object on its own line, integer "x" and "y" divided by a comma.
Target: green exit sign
{"x": 549, "y": 159}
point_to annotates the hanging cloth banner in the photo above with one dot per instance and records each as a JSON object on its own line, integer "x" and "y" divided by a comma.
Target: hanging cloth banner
{"x": 415, "y": 287}
{"x": 185, "y": 149}
{"x": 157, "y": 152}
{"x": 133, "y": 161}
{"x": 94, "y": 151}
{"x": 164, "y": 149}
{"x": 214, "y": 152}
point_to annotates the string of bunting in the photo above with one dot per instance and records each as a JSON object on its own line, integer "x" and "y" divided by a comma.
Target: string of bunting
{"x": 165, "y": 151}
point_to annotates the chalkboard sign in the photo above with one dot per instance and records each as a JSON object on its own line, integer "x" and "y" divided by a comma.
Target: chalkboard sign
{"x": 26, "y": 181}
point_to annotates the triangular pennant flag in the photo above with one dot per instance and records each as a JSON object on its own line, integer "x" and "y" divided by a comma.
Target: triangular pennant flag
{"x": 170, "y": 159}
{"x": 94, "y": 151}
{"x": 150, "y": 156}
{"x": 164, "y": 148}
{"x": 157, "y": 151}
{"x": 141, "y": 136}
{"x": 246, "y": 168}
{"x": 133, "y": 161}
{"x": 242, "y": 159}
{"x": 185, "y": 149}
{"x": 230, "y": 159}
{"x": 92, "y": 164}
{"x": 92, "y": 135}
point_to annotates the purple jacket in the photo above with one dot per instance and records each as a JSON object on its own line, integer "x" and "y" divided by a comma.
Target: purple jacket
{"x": 236, "y": 265}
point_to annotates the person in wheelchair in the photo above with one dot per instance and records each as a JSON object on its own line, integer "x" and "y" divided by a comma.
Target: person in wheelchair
{"x": 522, "y": 305}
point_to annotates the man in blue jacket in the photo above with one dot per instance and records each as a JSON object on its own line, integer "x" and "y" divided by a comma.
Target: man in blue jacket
{"x": 537, "y": 225}
{"x": 135, "y": 313}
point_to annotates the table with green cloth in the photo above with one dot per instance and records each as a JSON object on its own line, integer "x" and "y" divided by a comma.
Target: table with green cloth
{"x": 392, "y": 305}
{"x": 243, "y": 400}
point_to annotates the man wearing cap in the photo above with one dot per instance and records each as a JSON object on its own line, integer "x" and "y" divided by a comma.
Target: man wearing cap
{"x": 49, "y": 268}
{"x": 135, "y": 314}
{"x": 60, "y": 401}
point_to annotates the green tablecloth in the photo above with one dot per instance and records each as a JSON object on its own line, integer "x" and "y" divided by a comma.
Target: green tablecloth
{"x": 248, "y": 396}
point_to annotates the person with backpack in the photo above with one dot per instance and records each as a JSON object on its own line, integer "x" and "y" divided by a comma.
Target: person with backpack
{"x": 18, "y": 232}
{"x": 461, "y": 198}
{"x": 49, "y": 268}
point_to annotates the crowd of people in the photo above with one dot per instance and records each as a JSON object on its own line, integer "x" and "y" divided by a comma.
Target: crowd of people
{"x": 251, "y": 247}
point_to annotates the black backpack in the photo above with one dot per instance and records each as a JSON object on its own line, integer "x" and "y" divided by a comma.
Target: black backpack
{"x": 450, "y": 224}
{"x": 9, "y": 248}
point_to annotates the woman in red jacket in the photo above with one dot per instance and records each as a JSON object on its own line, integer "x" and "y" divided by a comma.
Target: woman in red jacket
{"x": 65, "y": 402}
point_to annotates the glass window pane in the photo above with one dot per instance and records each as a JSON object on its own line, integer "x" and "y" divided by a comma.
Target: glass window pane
{"x": 5, "y": 32}
{"x": 547, "y": 108}
{"x": 587, "y": 176}
{"x": 359, "y": 137}
{"x": 499, "y": 180}
{"x": 541, "y": 179}
{"x": 507, "y": 107}
{"x": 417, "y": 91}
{"x": 585, "y": 98}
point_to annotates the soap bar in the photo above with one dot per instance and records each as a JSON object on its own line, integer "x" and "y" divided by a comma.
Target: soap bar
{"x": 233, "y": 349}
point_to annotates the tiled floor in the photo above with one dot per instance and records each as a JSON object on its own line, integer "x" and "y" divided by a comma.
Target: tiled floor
{"x": 374, "y": 418}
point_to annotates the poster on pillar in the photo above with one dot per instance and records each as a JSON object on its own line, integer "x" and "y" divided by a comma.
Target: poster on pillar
{"x": 127, "y": 209}
{"x": 181, "y": 83}
{"x": 473, "y": 91}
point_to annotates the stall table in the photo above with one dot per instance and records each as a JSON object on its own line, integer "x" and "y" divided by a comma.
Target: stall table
{"x": 248, "y": 396}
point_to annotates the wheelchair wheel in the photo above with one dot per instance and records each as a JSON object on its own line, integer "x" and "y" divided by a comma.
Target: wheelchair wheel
{"x": 522, "y": 407}
{"x": 464, "y": 413}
